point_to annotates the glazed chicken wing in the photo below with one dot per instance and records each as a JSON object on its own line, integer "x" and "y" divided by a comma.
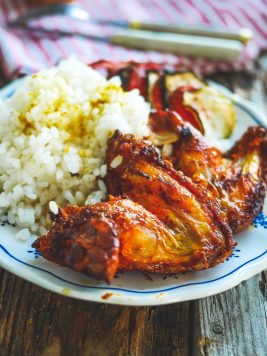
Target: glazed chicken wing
{"x": 119, "y": 234}
{"x": 236, "y": 179}
{"x": 153, "y": 183}
{"x": 242, "y": 183}
{"x": 179, "y": 203}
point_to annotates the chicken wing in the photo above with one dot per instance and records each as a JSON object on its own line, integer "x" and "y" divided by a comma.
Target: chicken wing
{"x": 242, "y": 183}
{"x": 120, "y": 234}
{"x": 83, "y": 239}
{"x": 179, "y": 203}
{"x": 237, "y": 178}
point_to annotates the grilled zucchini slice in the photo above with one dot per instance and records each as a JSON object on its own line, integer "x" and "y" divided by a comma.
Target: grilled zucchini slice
{"x": 215, "y": 111}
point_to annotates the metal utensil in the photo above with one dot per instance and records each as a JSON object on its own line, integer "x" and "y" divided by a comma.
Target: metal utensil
{"x": 242, "y": 35}
{"x": 195, "y": 46}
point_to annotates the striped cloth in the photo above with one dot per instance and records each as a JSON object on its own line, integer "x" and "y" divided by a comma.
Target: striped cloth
{"x": 26, "y": 52}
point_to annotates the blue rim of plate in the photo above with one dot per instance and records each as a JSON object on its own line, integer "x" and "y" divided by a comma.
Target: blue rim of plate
{"x": 240, "y": 103}
{"x": 132, "y": 290}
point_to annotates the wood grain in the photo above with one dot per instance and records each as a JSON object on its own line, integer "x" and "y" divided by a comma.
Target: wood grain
{"x": 234, "y": 322}
{"x": 36, "y": 322}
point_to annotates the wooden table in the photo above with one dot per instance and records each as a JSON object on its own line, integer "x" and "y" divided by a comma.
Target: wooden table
{"x": 36, "y": 322}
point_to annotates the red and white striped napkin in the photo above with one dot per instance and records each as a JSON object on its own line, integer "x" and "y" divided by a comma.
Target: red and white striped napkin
{"x": 26, "y": 52}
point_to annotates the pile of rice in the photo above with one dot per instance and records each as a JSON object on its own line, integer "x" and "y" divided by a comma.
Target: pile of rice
{"x": 54, "y": 133}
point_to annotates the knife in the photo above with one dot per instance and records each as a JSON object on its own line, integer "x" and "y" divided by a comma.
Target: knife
{"x": 180, "y": 44}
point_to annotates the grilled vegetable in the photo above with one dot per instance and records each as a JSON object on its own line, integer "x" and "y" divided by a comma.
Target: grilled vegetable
{"x": 133, "y": 77}
{"x": 187, "y": 112}
{"x": 215, "y": 111}
{"x": 163, "y": 127}
{"x": 176, "y": 80}
{"x": 204, "y": 107}
{"x": 124, "y": 74}
{"x": 155, "y": 89}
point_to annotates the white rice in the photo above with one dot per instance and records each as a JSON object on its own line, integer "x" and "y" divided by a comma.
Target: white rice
{"x": 53, "y": 207}
{"x": 54, "y": 132}
{"x": 116, "y": 161}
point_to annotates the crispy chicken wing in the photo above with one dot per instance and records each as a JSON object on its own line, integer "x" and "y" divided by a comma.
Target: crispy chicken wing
{"x": 153, "y": 183}
{"x": 236, "y": 179}
{"x": 179, "y": 203}
{"x": 242, "y": 183}
{"x": 83, "y": 239}
{"x": 120, "y": 234}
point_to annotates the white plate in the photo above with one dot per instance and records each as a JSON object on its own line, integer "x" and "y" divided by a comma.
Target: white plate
{"x": 249, "y": 257}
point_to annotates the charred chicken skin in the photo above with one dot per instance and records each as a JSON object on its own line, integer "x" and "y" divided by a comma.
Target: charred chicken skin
{"x": 121, "y": 235}
{"x": 148, "y": 180}
{"x": 237, "y": 179}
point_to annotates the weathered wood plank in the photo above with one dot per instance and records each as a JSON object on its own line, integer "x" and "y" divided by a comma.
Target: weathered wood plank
{"x": 235, "y": 322}
{"x": 36, "y": 322}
